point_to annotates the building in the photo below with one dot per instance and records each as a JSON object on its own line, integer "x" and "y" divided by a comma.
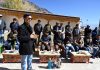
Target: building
{"x": 9, "y": 14}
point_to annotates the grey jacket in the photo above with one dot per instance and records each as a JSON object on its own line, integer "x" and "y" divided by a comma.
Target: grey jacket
{"x": 3, "y": 25}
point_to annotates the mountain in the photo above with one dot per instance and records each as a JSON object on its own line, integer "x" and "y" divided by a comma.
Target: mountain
{"x": 34, "y": 7}
{"x": 24, "y": 5}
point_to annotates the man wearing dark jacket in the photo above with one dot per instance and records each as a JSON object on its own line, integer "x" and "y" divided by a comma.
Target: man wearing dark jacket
{"x": 38, "y": 29}
{"x": 87, "y": 34}
{"x": 47, "y": 28}
{"x": 25, "y": 38}
{"x": 68, "y": 32}
{"x": 14, "y": 25}
{"x": 76, "y": 32}
{"x": 45, "y": 39}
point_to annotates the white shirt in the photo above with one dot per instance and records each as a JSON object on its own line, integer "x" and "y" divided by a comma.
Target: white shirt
{"x": 0, "y": 21}
{"x": 69, "y": 44}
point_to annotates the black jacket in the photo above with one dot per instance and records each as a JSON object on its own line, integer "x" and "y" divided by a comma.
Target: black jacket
{"x": 87, "y": 32}
{"x": 38, "y": 28}
{"x": 14, "y": 26}
{"x": 58, "y": 38}
{"x": 26, "y": 43}
{"x": 47, "y": 28}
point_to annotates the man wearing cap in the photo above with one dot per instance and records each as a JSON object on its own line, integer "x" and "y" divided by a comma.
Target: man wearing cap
{"x": 2, "y": 28}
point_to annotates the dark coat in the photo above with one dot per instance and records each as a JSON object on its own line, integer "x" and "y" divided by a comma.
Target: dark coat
{"x": 14, "y": 26}
{"x": 47, "y": 28}
{"x": 26, "y": 43}
{"x": 68, "y": 32}
{"x": 58, "y": 38}
{"x": 38, "y": 28}
{"x": 55, "y": 29}
{"x": 88, "y": 32}
{"x": 76, "y": 31}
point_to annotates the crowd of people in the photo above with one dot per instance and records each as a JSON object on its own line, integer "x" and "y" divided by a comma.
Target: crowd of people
{"x": 65, "y": 38}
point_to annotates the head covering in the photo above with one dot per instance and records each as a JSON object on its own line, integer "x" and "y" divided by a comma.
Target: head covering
{"x": 27, "y": 14}
{"x": 88, "y": 26}
{"x": 14, "y": 19}
{"x": 0, "y": 15}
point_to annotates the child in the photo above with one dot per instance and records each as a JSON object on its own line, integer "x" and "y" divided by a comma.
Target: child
{"x": 57, "y": 63}
{"x": 50, "y": 64}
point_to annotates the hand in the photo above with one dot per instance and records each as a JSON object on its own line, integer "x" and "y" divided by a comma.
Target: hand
{"x": 37, "y": 35}
{"x": 46, "y": 42}
{"x": 33, "y": 36}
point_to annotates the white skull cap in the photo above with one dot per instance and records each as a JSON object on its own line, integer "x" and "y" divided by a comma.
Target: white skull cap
{"x": 1, "y": 15}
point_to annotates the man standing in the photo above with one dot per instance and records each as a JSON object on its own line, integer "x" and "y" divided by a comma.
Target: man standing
{"x": 76, "y": 32}
{"x": 25, "y": 38}
{"x": 68, "y": 32}
{"x": 56, "y": 28}
{"x": 2, "y": 28}
{"x": 38, "y": 29}
{"x": 47, "y": 28}
{"x": 13, "y": 34}
{"x": 14, "y": 25}
{"x": 87, "y": 34}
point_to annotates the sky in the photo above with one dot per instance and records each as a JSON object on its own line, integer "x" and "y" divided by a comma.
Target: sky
{"x": 87, "y": 10}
